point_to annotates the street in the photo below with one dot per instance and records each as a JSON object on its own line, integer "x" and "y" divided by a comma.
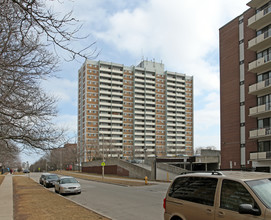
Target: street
{"x": 120, "y": 202}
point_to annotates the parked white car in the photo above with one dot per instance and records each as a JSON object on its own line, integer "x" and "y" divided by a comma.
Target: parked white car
{"x": 66, "y": 185}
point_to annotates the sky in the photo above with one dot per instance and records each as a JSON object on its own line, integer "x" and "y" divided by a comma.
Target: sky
{"x": 182, "y": 34}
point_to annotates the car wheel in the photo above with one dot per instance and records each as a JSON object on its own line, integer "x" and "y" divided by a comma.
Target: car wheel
{"x": 56, "y": 191}
{"x": 79, "y": 192}
{"x": 176, "y": 218}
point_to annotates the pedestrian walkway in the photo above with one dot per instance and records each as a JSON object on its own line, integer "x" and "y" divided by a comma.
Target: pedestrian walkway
{"x": 6, "y": 198}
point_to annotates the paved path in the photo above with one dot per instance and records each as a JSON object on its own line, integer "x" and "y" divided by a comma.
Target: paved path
{"x": 6, "y": 198}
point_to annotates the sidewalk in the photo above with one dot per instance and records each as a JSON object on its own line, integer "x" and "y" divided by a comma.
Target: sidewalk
{"x": 6, "y": 198}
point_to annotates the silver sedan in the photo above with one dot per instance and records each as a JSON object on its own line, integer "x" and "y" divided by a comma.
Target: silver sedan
{"x": 66, "y": 185}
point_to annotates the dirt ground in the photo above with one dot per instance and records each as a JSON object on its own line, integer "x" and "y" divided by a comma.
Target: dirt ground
{"x": 107, "y": 179}
{"x": 32, "y": 202}
{"x": 1, "y": 179}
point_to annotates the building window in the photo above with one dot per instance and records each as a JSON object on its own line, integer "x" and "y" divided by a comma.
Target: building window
{"x": 264, "y": 146}
{"x": 264, "y": 77}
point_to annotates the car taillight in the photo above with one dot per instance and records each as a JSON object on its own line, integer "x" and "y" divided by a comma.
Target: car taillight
{"x": 164, "y": 204}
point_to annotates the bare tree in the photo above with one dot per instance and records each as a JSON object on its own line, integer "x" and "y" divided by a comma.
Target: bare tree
{"x": 28, "y": 30}
{"x": 61, "y": 158}
{"x": 9, "y": 156}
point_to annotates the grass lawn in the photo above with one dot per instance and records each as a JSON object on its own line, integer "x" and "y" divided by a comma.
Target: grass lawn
{"x": 1, "y": 179}
{"x": 107, "y": 179}
{"x": 32, "y": 201}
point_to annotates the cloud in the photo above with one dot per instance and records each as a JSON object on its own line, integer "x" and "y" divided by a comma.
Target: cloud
{"x": 185, "y": 35}
{"x": 206, "y": 141}
{"x": 64, "y": 90}
{"x": 68, "y": 122}
{"x": 181, "y": 33}
{"x": 207, "y": 113}
{"x": 207, "y": 121}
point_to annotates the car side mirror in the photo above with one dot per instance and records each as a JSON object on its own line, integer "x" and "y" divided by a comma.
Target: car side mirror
{"x": 248, "y": 209}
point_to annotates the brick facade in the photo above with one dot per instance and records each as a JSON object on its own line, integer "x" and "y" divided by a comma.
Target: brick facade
{"x": 230, "y": 93}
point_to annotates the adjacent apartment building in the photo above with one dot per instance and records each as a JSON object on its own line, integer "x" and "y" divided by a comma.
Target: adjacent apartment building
{"x": 133, "y": 112}
{"x": 245, "y": 86}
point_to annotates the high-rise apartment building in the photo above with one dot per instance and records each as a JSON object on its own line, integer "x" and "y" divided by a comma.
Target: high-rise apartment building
{"x": 133, "y": 112}
{"x": 245, "y": 86}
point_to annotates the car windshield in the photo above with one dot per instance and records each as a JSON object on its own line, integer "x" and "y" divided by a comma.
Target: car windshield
{"x": 52, "y": 177}
{"x": 262, "y": 189}
{"x": 68, "y": 180}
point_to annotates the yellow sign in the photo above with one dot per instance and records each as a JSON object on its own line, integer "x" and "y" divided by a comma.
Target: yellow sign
{"x": 103, "y": 164}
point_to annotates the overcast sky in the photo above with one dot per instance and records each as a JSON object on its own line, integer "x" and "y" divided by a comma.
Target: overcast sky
{"x": 183, "y": 34}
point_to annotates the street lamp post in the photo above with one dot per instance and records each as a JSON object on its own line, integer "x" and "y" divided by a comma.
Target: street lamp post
{"x": 103, "y": 160}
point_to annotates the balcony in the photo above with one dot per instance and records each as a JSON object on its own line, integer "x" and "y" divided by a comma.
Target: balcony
{"x": 260, "y": 19}
{"x": 260, "y": 156}
{"x": 107, "y": 75}
{"x": 171, "y": 84}
{"x": 171, "y": 114}
{"x": 120, "y": 88}
{"x": 139, "y": 74}
{"x": 260, "y": 42}
{"x": 150, "y": 97}
{"x": 150, "y": 129}
{"x": 105, "y": 81}
{"x": 171, "y": 99}
{"x": 261, "y": 65}
{"x": 257, "y": 3}
{"x": 105, "y": 92}
{"x": 260, "y": 88}
{"x": 261, "y": 111}
{"x": 152, "y": 92}
{"x": 151, "y": 76}
{"x": 105, "y": 69}
{"x": 117, "y": 82}
{"x": 103, "y": 98}
{"x": 261, "y": 134}
{"x": 139, "y": 101}
{"x": 171, "y": 129}
{"x": 139, "y": 80}
{"x": 104, "y": 103}
{"x": 116, "y": 116}
{"x": 115, "y": 70}
{"x": 140, "y": 91}
{"x": 171, "y": 109}
{"x": 139, "y": 123}
{"x": 171, "y": 89}
{"x": 139, "y": 117}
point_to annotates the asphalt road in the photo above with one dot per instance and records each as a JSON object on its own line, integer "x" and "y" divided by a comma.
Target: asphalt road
{"x": 120, "y": 202}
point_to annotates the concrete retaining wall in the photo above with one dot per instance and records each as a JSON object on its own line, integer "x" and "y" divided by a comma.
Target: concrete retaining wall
{"x": 110, "y": 169}
{"x": 134, "y": 171}
{"x": 171, "y": 168}
{"x": 167, "y": 167}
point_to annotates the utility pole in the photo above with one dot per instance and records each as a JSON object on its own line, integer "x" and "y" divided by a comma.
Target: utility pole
{"x": 103, "y": 157}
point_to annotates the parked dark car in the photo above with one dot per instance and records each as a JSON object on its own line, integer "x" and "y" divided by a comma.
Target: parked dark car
{"x": 26, "y": 171}
{"x": 42, "y": 177}
{"x": 49, "y": 180}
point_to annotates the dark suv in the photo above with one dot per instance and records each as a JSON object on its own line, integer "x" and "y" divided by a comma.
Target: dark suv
{"x": 219, "y": 195}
